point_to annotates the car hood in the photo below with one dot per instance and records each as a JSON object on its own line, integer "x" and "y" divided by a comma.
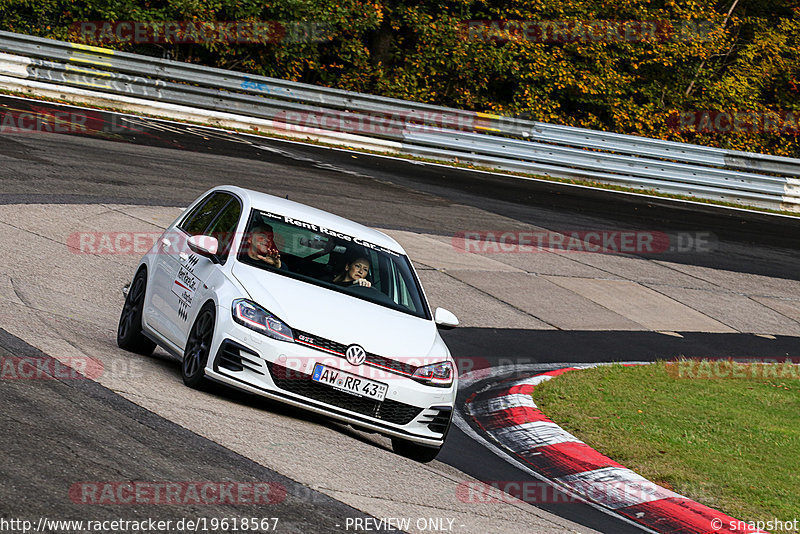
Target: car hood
{"x": 339, "y": 317}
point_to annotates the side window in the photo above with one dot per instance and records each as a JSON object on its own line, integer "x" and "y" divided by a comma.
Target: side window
{"x": 192, "y": 214}
{"x": 197, "y": 221}
{"x": 224, "y": 227}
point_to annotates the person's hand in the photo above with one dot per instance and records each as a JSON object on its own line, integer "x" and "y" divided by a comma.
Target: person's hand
{"x": 272, "y": 259}
{"x": 362, "y": 282}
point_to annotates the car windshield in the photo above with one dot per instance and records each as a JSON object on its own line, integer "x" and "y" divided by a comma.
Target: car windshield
{"x": 335, "y": 261}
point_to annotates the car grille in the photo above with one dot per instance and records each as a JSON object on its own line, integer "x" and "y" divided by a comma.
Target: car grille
{"x": 301, "y": 384}
{"x": 318, "y": 343}
{"x": 338, "y": 349}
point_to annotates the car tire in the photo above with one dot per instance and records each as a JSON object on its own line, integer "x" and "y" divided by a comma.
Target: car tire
{"x": 198, "y": 347}
{"x": 414, "y": 451}
{"x": 129, "y": 329}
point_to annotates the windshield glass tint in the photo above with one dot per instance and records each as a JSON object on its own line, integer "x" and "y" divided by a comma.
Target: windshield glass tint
{"x": 336, "y": 261}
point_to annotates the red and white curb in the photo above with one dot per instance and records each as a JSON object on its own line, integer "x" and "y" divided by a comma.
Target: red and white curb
{"x": 508, "y": 415}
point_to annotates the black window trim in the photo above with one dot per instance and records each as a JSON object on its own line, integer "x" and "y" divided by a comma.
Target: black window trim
{"x": 234, "y": 196}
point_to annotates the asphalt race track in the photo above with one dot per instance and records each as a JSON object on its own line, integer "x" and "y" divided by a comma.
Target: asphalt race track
{"x": 51, "y": 453}
{"x": 735, "y": 296}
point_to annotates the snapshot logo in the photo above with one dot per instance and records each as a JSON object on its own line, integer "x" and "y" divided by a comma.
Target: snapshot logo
{"x": 591, "y": 241}
{"x": 183, "y": 493}
{"x": 770, "y": 525}
{"x": 735, "y": 122}
{"x": 47, "y": 368}
{"x": 199, "y": 32}
{"x": 586, "y": 31}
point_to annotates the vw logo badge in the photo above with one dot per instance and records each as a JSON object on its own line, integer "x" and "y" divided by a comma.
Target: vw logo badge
{"x": 355, "y": 355}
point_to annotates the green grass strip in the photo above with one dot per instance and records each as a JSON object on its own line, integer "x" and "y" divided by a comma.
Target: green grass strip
{"x": 724, "y": 434}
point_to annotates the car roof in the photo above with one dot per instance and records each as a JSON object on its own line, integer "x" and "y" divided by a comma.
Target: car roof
{"x": 295, "y": 210}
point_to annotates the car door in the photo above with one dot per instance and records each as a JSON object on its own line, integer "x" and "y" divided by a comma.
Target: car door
{"x": 179, "y": 272}
{"x": 199, "y": 273}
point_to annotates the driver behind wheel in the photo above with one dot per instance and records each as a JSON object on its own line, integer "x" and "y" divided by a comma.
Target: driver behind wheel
{"x": 355, "y": 273}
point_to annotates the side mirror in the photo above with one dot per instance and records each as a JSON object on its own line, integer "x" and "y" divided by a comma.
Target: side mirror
{"x": 445, "y": 319}
{"x": 205, "y": 245}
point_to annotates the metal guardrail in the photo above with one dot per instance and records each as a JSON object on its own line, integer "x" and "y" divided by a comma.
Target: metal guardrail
{"x": 504, "y": 143}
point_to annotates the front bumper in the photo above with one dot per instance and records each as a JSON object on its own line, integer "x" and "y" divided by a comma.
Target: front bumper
{"x": 282, "y": 371}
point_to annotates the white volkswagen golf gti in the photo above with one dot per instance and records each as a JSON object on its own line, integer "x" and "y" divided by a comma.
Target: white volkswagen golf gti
{"x": 298, "y": 305}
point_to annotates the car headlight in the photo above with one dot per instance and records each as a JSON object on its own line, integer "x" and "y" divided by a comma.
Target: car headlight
{"x": 254, "y": 317}
{"x": 437, "y": 374}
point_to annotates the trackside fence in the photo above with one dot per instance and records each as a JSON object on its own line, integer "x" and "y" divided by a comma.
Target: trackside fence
{"x": 440, "y": 133}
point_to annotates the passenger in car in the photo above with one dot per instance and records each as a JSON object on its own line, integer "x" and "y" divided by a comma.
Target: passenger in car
{"x": 260, "y": 246}
{"x": 355, "y": 273}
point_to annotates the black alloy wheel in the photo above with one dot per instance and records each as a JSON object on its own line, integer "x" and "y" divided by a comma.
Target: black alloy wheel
{"x": 129, "y": 330}
{"x": 198, "y": 347}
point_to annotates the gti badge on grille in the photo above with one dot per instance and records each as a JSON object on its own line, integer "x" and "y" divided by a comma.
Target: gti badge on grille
{"x": 355, "y": 355}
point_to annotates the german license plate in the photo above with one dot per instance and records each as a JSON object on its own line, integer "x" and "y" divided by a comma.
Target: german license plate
{"x": 349, "y": 383}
